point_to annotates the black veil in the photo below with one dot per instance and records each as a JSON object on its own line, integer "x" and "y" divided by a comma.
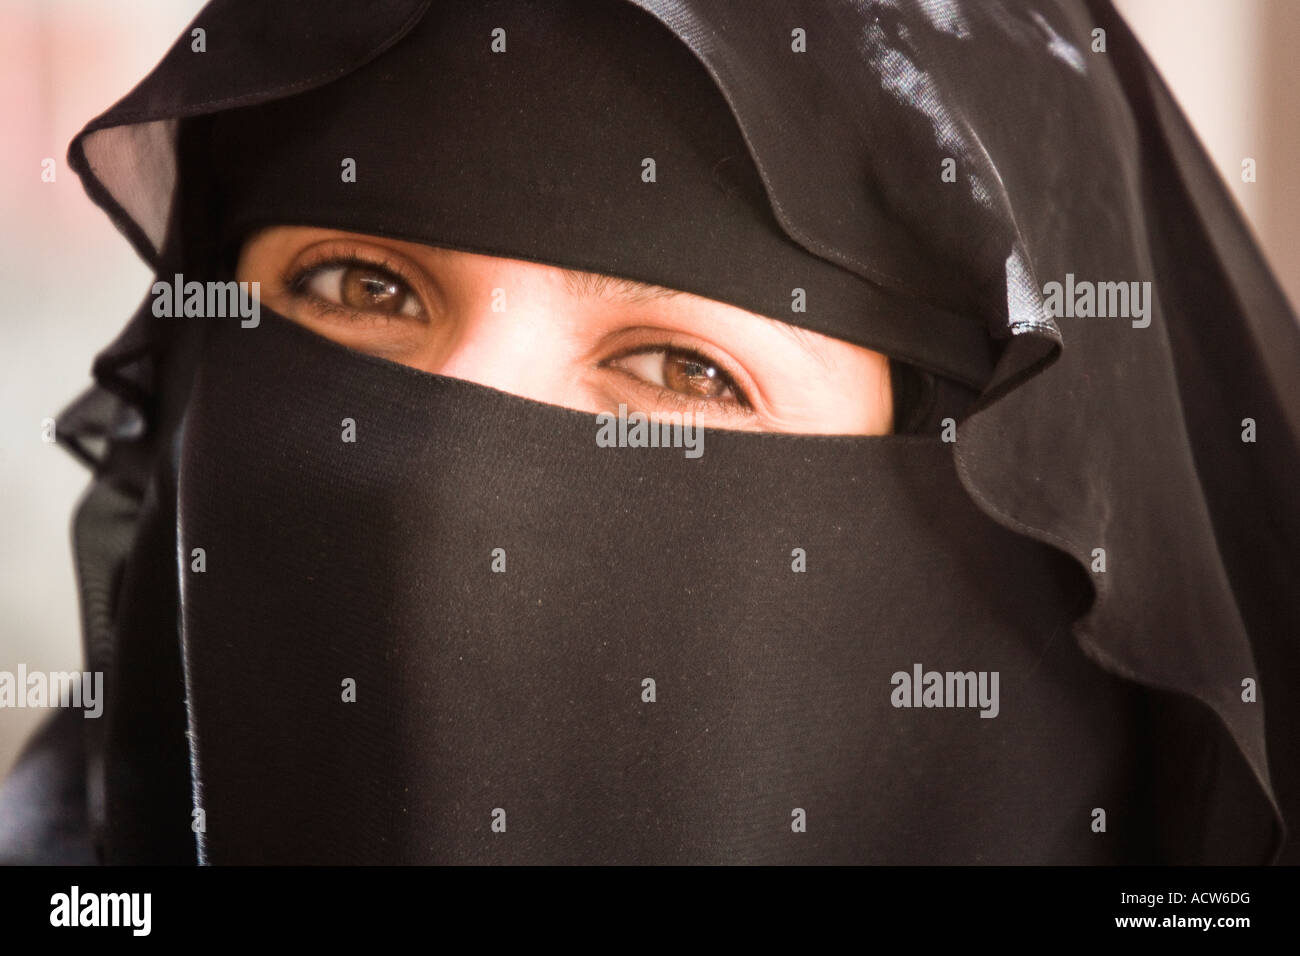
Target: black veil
{"x": 1089, "y": 433}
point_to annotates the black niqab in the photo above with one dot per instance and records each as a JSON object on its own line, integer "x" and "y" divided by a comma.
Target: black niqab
{"x": 1121, "y": 689}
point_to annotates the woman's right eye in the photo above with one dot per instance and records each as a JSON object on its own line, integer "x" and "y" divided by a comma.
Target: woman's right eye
{"x": 357, "y": 286}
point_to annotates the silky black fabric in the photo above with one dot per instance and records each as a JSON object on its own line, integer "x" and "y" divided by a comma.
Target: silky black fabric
{"x": 521, "y": 689}
{"x": 43, "y": 803}
{"x": 539, "y": 152}
{"x": 1086, "y": 434}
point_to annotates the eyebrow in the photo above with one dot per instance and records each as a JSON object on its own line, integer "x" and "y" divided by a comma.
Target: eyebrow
{"x": 806, "y": 340}
{"x": 600, "y": 286}
{"x": 595, "y": 285}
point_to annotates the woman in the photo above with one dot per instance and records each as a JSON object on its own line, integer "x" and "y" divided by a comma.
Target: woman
{"x": 976, "y": 559}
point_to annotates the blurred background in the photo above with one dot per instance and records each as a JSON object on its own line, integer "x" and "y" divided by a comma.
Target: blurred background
{"x": 68, "y": 280}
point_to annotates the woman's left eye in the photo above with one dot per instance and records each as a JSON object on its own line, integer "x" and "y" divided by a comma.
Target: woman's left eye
{"x": 683, "y": 372}
{"x": 358, "y": 286}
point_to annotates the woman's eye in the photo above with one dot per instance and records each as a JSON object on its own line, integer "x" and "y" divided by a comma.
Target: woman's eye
{"x": 686, "y": 373}
{"x": 359, "y": 287}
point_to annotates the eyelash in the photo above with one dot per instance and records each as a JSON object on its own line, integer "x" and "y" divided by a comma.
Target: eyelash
{"x": 295, "y": 279}
{"x": 740, "y": 399}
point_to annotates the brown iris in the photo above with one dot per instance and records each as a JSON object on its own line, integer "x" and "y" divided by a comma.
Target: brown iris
{"x": 372, "y": 290}
{"x": 693, "y": 376}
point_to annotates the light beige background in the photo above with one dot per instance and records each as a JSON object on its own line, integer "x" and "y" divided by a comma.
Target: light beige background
{"x": 68, "y": 280}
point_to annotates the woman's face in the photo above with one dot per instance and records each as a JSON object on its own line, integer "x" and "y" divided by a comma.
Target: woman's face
{"x": 575, "y": 339}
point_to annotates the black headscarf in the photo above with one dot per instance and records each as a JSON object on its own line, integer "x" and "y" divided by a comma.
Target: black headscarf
{"x": 1099, "y": 535}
